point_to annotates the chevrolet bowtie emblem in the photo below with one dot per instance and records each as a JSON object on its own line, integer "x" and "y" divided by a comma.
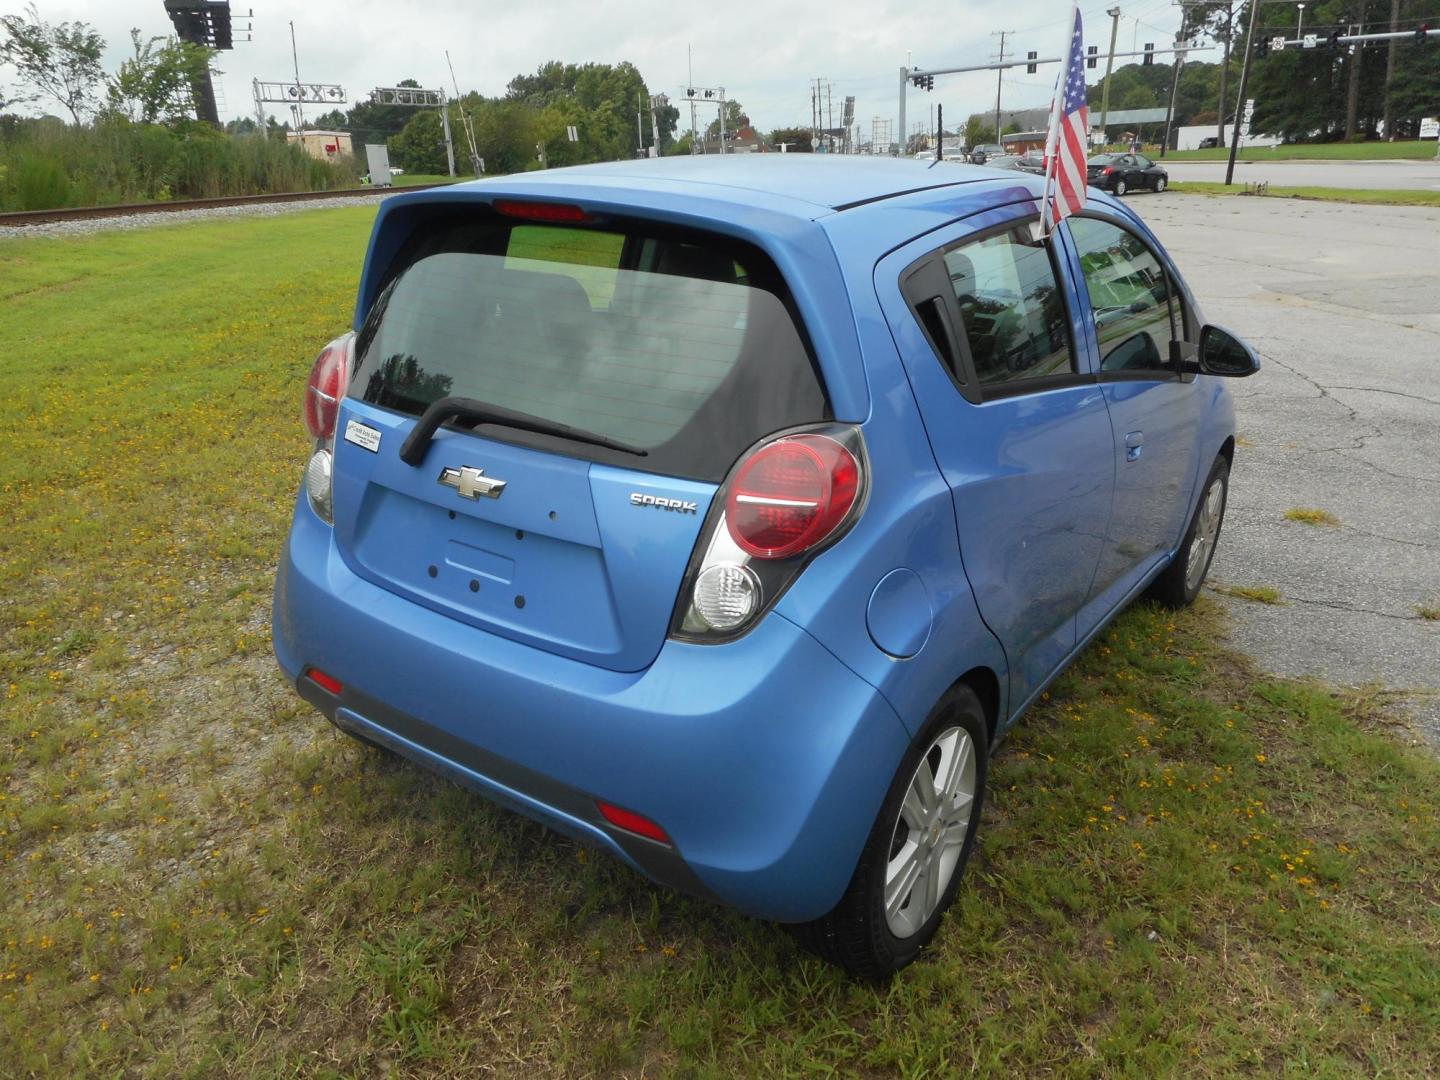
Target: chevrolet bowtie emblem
{"x": 471, "y": 483}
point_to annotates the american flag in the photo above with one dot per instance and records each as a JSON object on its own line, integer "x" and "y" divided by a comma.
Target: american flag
{"x": 1065, "y": 145}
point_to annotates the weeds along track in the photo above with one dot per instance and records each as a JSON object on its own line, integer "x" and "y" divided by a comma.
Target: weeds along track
{"x": 25, "y": 218}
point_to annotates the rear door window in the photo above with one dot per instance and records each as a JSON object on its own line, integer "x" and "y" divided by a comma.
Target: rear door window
{"x": 683, "y": 344}
{"x": 1015, "y": 322}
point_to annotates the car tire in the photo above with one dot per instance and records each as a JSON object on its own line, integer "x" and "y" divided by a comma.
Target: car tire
{"x": 1180, "y": 582}
{"x": 1120, "y": 188}
{"x": 1160, "y": 183}
{"x": 859, "y": 934}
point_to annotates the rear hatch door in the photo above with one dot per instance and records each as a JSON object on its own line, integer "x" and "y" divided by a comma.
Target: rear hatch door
{"x": 681, "y": 346}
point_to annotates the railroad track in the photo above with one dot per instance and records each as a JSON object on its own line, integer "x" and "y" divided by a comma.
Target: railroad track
{"x": 22, "y": 218}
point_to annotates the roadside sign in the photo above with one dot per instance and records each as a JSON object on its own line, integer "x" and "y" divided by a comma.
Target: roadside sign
{"x": 1430, "y": 127}
{"x": 1277, "y": 44}
{"x": 1310, "y": 41}
{"x": 572, "y": 134}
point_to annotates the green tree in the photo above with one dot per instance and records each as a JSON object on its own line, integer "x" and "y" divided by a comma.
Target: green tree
{"x": 60, "y": 61}
{"x": 733, "y": 115}
{"x": 798, "y": 138}
{"x": 977, "y": 132}
{"x": 371, "y": 123}
{"x": 157, "y": 82}
{"x": 667, "y": 118}
{"x": 420, "y": 145}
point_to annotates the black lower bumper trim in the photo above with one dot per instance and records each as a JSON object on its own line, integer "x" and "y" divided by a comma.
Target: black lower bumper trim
{"x": 661, "y": 862}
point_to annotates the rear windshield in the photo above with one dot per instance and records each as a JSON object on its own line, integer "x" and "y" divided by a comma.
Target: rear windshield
{"x": 682, "y": 344}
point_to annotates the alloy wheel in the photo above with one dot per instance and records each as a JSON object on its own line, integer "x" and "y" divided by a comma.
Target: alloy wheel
{"x": 930, "y": 832}
{"x": 1207, "y": 531}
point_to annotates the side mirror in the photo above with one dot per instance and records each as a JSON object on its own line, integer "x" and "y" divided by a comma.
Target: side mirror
{"x": 1222, "y": 353}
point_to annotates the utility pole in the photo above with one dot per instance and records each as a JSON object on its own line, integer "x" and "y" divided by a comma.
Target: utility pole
{"x": 1174, "y": 85}
{"x": 939, "y": 132}
{"x": 1240, "y": 97}
{"x": 1352, "y": 91}
{"x": 999, "y": 77}
{"x": 299, "y": 112}
{"x": 1389, "y": 120}
{"x": 1225, "y": 69}
{"x": 1114, "y": 14}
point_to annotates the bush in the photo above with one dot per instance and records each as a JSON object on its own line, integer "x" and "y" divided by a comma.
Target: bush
{"x": 45, "y": 164}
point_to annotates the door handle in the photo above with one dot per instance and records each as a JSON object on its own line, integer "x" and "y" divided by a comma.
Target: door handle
{"x": 1134, "y": 441}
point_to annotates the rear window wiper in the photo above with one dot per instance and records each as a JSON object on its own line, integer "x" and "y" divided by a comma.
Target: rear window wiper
{"x": 474, "y": 413}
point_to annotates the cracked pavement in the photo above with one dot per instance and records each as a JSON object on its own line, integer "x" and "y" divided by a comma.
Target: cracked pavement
{"x": 1343, "y": 303}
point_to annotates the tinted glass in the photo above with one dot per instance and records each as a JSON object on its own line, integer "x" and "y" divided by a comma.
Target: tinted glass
{"x": 1102, "y": 159}
{"x": 665, "y": 344}
{"x": 1143, "y": 161}
{"x": 1014, "y": 316}
{"x": 1129, "y": 296}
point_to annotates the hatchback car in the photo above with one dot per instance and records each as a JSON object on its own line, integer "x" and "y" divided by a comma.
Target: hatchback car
{"x": 1120, "y": 173}
{"x": 723, "y": 514}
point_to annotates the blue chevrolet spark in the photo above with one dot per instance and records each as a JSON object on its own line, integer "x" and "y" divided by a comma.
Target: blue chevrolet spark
{"x": 723, "y": 512}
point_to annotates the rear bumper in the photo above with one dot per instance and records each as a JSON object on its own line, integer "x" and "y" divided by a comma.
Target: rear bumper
{"x": 765, "y": 759}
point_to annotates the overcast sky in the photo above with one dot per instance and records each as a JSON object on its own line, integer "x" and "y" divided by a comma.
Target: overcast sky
{"x": 764, "y": 54}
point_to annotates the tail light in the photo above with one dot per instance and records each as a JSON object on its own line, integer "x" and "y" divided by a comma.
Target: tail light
{"x": 329, "y": 376}
{"x": 790, "y": 494}
{"x": 1108, "y": 170}
{"x": 784, "y": 502}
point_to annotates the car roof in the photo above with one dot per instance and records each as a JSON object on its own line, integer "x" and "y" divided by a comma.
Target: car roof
{"x": 821, "y": 182}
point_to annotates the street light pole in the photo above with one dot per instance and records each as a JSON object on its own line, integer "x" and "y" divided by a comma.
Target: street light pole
{"x": 1114, "y": 14}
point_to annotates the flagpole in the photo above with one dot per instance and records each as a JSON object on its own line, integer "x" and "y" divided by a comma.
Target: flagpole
{"x": 1052, "y": 136}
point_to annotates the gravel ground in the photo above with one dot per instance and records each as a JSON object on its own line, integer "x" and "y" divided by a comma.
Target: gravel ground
{"x": 179, "y": 217}
{"x": 1343, "y": 417}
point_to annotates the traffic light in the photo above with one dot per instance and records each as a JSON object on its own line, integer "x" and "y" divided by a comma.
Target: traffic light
{"x": 1262, "y": 47}
{"x": 923, "y": 82}
{"x": 1092, "y": 54}
{"x": 1030, "y": 68}
{"x": 1422, "y": 33}
{"x": 1334, "y": 38}
{"x": 1149, "y": 54}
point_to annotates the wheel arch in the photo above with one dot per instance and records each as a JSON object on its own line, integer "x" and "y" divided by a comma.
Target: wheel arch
{"x": 986, "y": 686}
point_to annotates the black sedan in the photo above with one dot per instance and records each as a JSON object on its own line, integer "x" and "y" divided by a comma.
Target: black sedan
{"x": 1125, "y": 172}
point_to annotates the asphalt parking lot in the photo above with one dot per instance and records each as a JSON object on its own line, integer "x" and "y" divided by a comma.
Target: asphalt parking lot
{"x": 1343, "y": 302}
{"x": 1400, "y": 175}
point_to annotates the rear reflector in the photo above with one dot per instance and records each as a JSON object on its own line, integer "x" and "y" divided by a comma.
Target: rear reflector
{"x": 632, "y": 822}
{"x": 540, "y": 211}
{"x": 325, "y": 682}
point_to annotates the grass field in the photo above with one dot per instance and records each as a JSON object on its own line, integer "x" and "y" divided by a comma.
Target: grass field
{"x": 1183, "y": 865}
{"x": 412, "y": 179}
{"x": 1368, "y": 151}
{"x": 1370, "y": 196}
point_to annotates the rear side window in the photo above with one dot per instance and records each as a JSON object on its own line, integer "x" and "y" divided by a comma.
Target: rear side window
{"x": 682, "y": 344}
{"x": 1011, "y": 306}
